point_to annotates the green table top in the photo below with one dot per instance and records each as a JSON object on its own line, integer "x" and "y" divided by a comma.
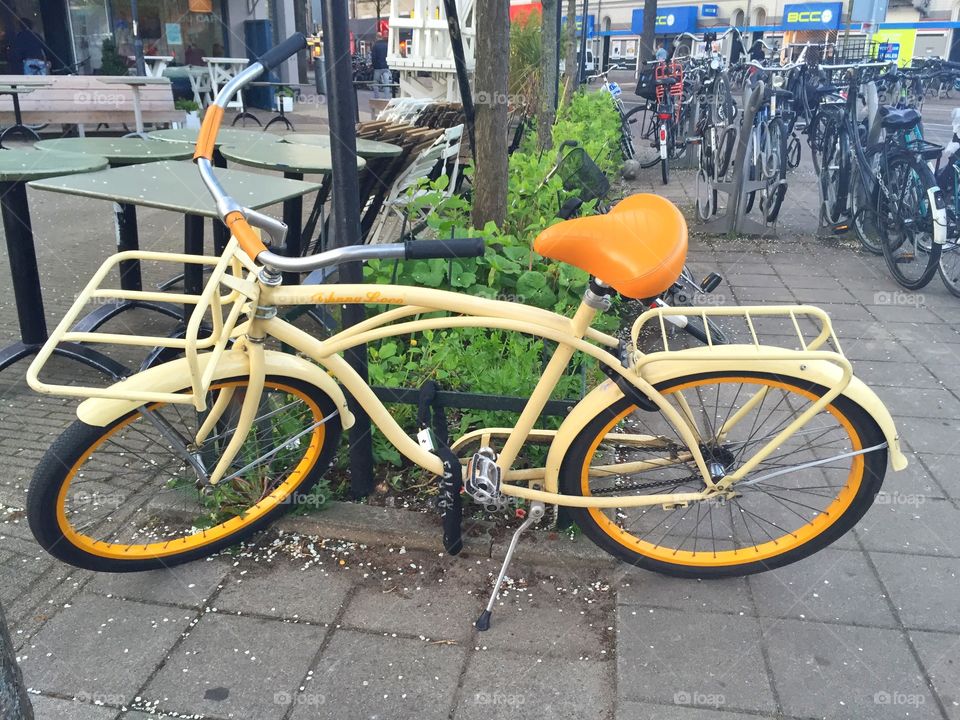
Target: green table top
{"x": 284, "y": 157}
{"x": 18, "y": 165}
{"x": 226, "y": 136}
{"x": 365, "y": 148}
{"x": 119, "y": 151}
{"x": 14, "y": 90}
{"x": 35, "y": 80}
{"x": 176, "y": 186}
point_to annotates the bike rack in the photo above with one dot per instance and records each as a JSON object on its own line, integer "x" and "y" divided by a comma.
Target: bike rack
{"x": 734, "y": 220}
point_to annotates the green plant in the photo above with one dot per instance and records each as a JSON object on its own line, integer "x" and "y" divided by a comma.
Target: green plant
{"x": 111, "y": 62}
{"x": 526, "y": 63}
{"x": 186, "y": 105}
{"x": 493, "y": 361}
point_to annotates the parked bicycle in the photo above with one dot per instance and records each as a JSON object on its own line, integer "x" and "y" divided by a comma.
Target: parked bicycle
{"x": 705, "y": 462}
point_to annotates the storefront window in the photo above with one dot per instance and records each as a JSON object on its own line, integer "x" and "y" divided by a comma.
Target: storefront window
{"x": 170, "y": 27}
{"x": 186, "y": 29}
{"x": 10, "y": 14}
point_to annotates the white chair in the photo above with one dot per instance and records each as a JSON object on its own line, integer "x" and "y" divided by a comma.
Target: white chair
{"x": 444, "y": 151}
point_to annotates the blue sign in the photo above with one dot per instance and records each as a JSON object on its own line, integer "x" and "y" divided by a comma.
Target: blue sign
{"x": 812, "y": 16}
{"x": 709, "y": 10}
{"x": 888, "y": 51}
{"x": 670, "y": 20}
{"x": 590, "y": 24}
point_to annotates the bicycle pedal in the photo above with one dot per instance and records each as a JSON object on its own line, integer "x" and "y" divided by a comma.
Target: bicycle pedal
{"x": 482, "y": 481}
{"x": 711, "y": 282}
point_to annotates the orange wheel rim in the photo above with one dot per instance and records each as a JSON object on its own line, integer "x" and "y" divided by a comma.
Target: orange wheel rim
{"x": 205, "y": 536}
{"x": 763, "y": 551}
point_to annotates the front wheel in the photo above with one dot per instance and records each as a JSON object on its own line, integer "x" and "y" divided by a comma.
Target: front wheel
{"x": 131, "y": 495}
{"x": 811, "y": 490}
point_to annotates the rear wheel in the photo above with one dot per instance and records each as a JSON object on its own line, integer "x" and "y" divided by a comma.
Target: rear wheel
{"x": 128, "y": 496}
{"x": 907, "y": 240}
{"x": 804, "y": 496}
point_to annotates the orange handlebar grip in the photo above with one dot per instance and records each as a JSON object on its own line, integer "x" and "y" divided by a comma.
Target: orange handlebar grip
{"x": 208, "y": 133}
{"x": 249, "y": 241}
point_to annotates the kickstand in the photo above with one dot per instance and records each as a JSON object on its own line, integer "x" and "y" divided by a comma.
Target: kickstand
{"x": 537, "y": 510}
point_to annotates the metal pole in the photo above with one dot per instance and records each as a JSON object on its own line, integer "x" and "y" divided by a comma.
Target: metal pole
{"x": 463, "y": 79}
{"x": 346, "y": 215}
{"x": 137, "y": 41}
{"x": 556, "y": 90}
{"x": 582, "y": 65}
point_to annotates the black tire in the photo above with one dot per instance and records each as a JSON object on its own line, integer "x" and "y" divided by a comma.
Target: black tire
{"x": 581, "y": 451}
{"x": 773, "y": 194}
{"x": 949, "y": 266}
{"x": 863, "y": 208}
{"x": 81, "y": 442}
{"x": 642, "y": 128}
{"x": 834, "y": 145}
{"x": 912, "y": 256}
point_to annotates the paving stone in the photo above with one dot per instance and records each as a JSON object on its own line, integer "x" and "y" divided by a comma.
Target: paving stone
{"x": 101, "y": 645}
{"x": 189, "y": 584}
{"x": 923, "y": 589}
{"x": 903, "y": 402}
{"x": 365, "y": 676}
{"x": 631, "y": 710}
{"x": 911, "y": 524}
{"x": 832, "y": 585}
{"x": 436, "y": 611}
{"x": 283, "y": 589}
{"x": 940, "y": 655}
{"x": 895, "y": 374}
{"x": 50, "y": 708}
{"x": 931, "y": 435}
{"x": 665, "y": 654}
{"x": 836, "y": 671}
{"x": 236, "y": 666}
{"x": 944, "y": 469}
{"x": 505, "y": 685}
{"x": 649, "y": 589}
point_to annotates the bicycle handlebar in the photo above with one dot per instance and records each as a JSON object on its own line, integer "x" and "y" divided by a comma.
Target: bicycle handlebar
{"x": 241, "y": 221}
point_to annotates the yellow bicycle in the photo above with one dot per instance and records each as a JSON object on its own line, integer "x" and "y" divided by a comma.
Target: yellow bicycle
{"x": 704, "y": 462}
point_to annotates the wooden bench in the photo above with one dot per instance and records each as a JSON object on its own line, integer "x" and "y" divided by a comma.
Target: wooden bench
{"x": 83, "y": 100}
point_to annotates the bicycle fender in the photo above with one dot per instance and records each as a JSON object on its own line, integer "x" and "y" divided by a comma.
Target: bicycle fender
{"x": 821, "y": 372}
{"x": 172, "y": 375}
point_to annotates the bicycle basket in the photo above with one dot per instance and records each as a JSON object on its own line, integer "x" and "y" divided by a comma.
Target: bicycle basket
{"x": 213, "y": 322}
{"x": 581, "y": 175}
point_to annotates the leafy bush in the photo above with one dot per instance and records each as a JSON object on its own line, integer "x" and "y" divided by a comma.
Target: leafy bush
{"x": 493, "y": 361}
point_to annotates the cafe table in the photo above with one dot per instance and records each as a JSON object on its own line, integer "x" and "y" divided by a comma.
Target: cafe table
{"x": 232, "y": 136}
{"x": 17, "y": 168}
{"x": 121, "y": 152}
{"x": 15, "y": 88}
{"x": 294, "y": 161}
{"x": 177, "y": 187}
{"x": 372, "y": 191}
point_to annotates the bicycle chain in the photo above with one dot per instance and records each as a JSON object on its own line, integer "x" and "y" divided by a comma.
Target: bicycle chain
{"x": 643, "y": 485}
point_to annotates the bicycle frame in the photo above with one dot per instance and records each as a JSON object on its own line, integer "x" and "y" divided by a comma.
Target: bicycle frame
{"x": 636, "y": 378}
